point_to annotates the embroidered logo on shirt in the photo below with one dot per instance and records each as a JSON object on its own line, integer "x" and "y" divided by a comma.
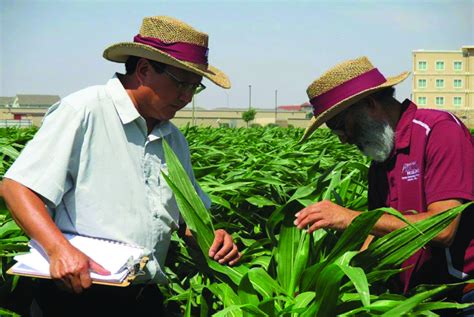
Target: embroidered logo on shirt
{"x": 410, "y": 171}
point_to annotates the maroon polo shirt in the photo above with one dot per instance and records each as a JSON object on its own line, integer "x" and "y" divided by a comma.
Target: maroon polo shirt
{"x": 433, "y": 160}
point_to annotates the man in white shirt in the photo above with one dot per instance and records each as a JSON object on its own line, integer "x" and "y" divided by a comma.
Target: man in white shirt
{"x": 95, "y": 168}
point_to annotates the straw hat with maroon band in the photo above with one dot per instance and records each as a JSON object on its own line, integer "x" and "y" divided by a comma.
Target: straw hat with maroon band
{"x": 342, "y": 86}
{"x": 172, "y": 42}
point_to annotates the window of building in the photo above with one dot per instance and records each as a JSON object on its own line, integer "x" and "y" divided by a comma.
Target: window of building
{"x": 421, "y": 83}
{"x": 439, "y": 101}
{"x": 422, "y": 65}
{"x": 457, "y": 65}
{"x": 439, "y": 83}
{"x": 457, "y": 101}
{"x": 439, "y": 65}
{"x": 457, "y": 83}
{"x": 421, "y": 101}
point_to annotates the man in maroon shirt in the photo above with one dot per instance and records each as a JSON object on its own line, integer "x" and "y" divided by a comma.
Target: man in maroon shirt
{"x": 423, "y": 161}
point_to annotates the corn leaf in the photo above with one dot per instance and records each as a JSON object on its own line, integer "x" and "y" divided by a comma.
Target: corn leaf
{"x": 195, "y": 214}
{"x": 394, "y": 248}
{"x": 327, "y": 290}
{"x": 247, "y": 293}
{"x": 354, "y": 236}
{"x": 409, "y": 304}
{"x": 359, "y": 279}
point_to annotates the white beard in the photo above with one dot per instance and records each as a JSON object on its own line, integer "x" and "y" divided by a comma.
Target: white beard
{"x": 375, "y": 139}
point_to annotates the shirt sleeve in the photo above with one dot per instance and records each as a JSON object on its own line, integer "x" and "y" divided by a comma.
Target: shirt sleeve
{"x": 449, "y": 171}
{"x": 46, "y": 162}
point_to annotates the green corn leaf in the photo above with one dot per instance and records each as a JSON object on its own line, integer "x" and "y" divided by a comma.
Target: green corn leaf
{"x": 302, "y": 301}
{"x": 6, "y": 312}
{"x": 202, "y": 231}
{"x": 354, "y": 236}
{"x": 260, "y": 201}
{"x": 234, "y": 273}
{"x": 9, "y": 151}
{"x": 237, "y": 311}
{"x": 394, "y": 248}
{"x": 268, "y": 307}
{"x": 220, "y": 201}
{"x": 429, "y": 306}
{"x": 335, "y": 180}
{"x": 310, "y": 276}
{"x": 359, "y": 279}
{"x": 225, "y": 293}
{"x": 377, "y": 308}
{"x": 381, "y": 275}
{"x": 230, "y": 311}
{"x": 327, "y": 290}
{"x": 195, "y": 214}
{"x": 247, "y": 293}
{"x": 300, "y": 261}
{"x": 291, "y": 255}
{"x": 409, "y": 304}
{"x": 264, "y": 283}
{"x": 206, "y": 303}
{"x": 187, "y": 311}
{"x": 9, "y": 228}
{"x": 346, "y": 258}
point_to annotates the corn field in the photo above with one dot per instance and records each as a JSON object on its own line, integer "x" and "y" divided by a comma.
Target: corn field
{"x": 258, "y": 178}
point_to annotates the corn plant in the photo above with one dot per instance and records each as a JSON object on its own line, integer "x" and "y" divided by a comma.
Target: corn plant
{"x": 307, "y": 275}
{"x": 257, "y": 179}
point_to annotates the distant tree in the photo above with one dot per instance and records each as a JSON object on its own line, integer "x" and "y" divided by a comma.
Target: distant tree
{"x": 249, "y": 115}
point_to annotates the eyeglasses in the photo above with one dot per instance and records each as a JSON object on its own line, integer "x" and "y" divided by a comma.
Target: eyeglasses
{"x": 185, "y": 87}
{"x": 337, "y": 124}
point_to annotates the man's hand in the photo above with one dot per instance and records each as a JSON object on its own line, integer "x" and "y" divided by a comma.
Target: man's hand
{"x": 71, "y": 268}
{"x": 223, "y": 249}
{"x": 324, "y": 214}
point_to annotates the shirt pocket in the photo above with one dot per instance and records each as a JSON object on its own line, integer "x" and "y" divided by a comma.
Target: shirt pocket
{"x": 168, "y": 200}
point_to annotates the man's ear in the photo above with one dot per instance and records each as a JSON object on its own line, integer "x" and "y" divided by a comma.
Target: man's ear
{"x": 142, "y": 70}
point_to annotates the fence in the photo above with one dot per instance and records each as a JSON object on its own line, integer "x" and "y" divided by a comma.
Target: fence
{"x": 23, "y": 123}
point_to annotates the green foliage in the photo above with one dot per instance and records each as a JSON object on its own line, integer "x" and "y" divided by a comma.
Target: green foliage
{"x": 12, "y": 141}
{"x": 249, "y": 115}
{"x": 285, "y": 271}
{"x": 257, "y": 179}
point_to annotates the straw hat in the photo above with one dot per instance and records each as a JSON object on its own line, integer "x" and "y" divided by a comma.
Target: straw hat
{"x": 342, "y": 86}
{"x": 172, "y": 42}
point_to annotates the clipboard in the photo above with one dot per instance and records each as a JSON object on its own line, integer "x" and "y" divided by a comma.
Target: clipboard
{"x": 124, "y": 261}
{"x": 134, "y": 271}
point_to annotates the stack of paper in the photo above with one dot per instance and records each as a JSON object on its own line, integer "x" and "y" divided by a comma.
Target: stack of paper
{"x": 115, "y": 257}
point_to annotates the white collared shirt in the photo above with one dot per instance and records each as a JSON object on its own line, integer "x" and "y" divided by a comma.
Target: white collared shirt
{"x": 100, "y": 173}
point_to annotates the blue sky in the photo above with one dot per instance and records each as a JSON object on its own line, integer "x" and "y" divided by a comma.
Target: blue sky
{"x": 55, "y": 47}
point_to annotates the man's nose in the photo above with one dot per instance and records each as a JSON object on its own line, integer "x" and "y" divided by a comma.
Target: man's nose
{"x": 186, "y": 96}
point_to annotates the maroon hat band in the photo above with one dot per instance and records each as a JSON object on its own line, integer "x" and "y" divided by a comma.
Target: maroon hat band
{"x": 370, "y": 79}
{"x": 180, "y": 50}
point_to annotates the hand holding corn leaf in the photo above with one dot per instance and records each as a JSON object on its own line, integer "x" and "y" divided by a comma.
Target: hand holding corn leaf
{"x": 195, "y": 214}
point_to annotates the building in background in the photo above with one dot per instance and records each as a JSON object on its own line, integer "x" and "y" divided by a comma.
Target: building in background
{"x": 445, "y": 80}
{"x": 25, "y": 110}
{"x": 232, "y": 117}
